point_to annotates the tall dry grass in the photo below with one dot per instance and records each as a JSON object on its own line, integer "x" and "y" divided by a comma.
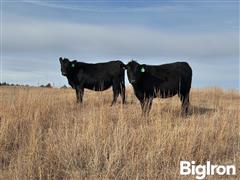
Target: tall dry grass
{"x": 44, "y": 134}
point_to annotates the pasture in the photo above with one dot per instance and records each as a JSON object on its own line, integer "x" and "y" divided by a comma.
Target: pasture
{"x": 44, "y": 134}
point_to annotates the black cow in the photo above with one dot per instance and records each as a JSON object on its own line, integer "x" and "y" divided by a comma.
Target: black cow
{"x": 163, "y": 81}
{"x": 98, "y": 77}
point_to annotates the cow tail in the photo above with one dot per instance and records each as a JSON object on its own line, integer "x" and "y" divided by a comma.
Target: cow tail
{"x": 189, "y": 81}
{"x": 185, "y": 81}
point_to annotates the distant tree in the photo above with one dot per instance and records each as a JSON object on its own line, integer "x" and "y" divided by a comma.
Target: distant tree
{"x": 48, "y": 85}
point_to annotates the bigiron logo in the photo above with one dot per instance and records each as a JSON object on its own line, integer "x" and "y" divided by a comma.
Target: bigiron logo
{"x": 201, "y": 171}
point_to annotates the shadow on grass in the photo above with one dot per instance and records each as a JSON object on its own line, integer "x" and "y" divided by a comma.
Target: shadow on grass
{"x": 195, "y": 110}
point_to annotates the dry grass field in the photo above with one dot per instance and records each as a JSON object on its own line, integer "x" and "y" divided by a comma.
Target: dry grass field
{"x": 44, "y": 134}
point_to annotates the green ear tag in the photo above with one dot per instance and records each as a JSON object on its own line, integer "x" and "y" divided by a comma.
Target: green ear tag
{"x": 73, "y": 65}
{"x": 142, "y": 70}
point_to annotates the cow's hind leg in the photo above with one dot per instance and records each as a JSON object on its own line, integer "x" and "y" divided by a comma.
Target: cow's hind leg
{"x": 185, "y": 103}
{"x": 116, "y": 91}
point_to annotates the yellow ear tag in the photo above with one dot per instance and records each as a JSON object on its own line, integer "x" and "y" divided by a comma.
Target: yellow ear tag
{"x": 73, "y": 65}
{"x": 142, "y": 70}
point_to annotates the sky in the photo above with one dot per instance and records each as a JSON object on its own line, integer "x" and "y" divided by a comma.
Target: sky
{"x": 35, "y": 33}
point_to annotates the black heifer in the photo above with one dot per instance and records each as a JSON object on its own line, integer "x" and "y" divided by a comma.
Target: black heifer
{"x": 98, "y": 77}
{"x": 160, "y": 81}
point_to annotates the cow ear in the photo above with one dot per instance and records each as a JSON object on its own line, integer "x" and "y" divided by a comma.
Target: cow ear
{"x": 60, "y": 59}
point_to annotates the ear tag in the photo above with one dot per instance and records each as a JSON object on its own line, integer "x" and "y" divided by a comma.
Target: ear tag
{"x": 142, "y": 70}
{"x": 73, "y": 65}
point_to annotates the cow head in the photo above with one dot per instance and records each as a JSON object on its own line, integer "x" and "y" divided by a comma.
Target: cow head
{"x": 67, "y": 66}
{"x": 135, "y": 71}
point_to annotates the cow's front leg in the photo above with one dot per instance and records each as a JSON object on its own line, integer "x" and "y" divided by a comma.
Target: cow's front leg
{"x": 79, "y": 94}
{"x": 146, "y": 105}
